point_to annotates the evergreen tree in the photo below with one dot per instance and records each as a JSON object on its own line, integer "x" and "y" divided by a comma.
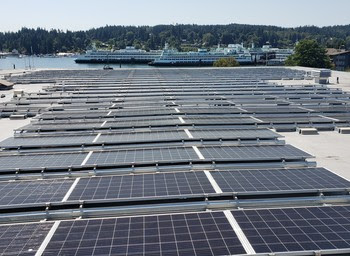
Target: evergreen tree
{"x": 309, "y": 53}
{"x": 178, "y": 36}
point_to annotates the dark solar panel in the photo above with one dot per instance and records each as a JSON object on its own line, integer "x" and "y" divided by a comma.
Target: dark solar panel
{"x": 23, "y": 239}
{"x": 144, "y": 112}
{"x": 213, "y": 110}
{"x": 41, "y": 160}
{"x": 233, "y": 133}
{"x": 278, "y": 180}
{"x": 296, "y": 229}
{"x": 274, "y": 109}
{"x": 88, "y": 139}
{"x": 143, "y": 155}
{"x": 179, "y": 234}
{"x": 144, "y": 136}
{"x": 26, "y": 192}
{"x": 112, "y": 123}
{"x": 46, "y": 140}
{"x": 149, "y": 185}
{"x": 252, "y": 152}
{"x": 218, "y": 119}
{"x": 158, "y": 135}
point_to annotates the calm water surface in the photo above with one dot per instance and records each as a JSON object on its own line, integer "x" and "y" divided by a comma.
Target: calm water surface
{"x": 61, "y": 62}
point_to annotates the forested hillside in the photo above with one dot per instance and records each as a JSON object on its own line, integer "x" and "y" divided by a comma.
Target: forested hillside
{"x": 183, "y": 37}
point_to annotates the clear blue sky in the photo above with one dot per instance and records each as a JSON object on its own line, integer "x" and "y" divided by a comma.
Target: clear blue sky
{"x": 85, "y": 14}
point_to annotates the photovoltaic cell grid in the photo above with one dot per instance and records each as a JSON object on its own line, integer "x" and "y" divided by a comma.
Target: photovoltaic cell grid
{"x": 149, "y": 185}
{"x": 296, "y": 229}
{"x": 179, "y": 234}
{"x": 22, "y": 239}
{"x": 218, "y": 120}
{"x": 213, "y": 110}
{"x": 119, "y": 120}
{"x": 161, "y": 135}
{"x": 41, "y": 160}
{"x": 233, "y": 133}
{"x": 278, "y": 180}
{"x": 144, "y": 112}
{"x": 109, "y": 124}
{"x": 46, "y": 140}
{"x": 142, "y": 155}
{"x": 252, "y": 152}
{"x": 27, "y": 192}
{"x": 144, "y": 136}
{"x": 166, "y": 154}
{"x": 89, "y": 139}
{"x": 171, "y": 184}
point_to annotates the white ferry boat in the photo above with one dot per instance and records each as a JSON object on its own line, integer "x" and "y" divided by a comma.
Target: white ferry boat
{"x": 127, "y": 55}
{"x": 202, "y": 57}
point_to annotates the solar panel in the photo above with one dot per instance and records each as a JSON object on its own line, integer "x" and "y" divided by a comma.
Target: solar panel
{"x": 41, "y": 160}
{"x": 275, "y": 110}
{"x": 252, "y": 152}
{"x": 148, "y": 185}
{"x": 144, "y": 136}
{"x": 93, "y": 126}
{"x": 137, "y": 136}
{"x": 212, "y": 110}
{"x": 27, "y": 192}
{"x": 89, "y": 139}
{"x": 166, "y": 154}
{"x": 22, "y": 239}
{"x": 278, "y": 180}
{"x": 179, "y": 234}
{"x": 46, "y": 140}
{"x": 219, "y": 119}
{"x": 142, "y": 155}
{"x": 296, "y": 229}
{"x": 233, "y": 133}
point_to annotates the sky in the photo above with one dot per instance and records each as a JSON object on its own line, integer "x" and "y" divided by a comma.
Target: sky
{"x": 85, "y": 14}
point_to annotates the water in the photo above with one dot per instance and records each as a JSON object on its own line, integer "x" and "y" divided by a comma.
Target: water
{"x": 61, "y": 63}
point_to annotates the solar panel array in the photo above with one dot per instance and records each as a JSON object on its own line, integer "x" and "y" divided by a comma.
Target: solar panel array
{"x": 170, "y": 162}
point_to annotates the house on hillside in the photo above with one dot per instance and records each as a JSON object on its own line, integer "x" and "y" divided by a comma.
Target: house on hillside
{"x": 340, "y": 58}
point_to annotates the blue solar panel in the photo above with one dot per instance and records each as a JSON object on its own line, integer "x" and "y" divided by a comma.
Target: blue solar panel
{"x": 22, "y": 239}
{"x": 278, "y": 180}
{"x": 148, "y": 185}
{"x": 178, "y": 234}
{"x": 296, "y": 229}
{"x": 27, "y": 192}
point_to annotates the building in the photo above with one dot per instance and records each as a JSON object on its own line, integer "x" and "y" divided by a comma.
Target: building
{"x": 340, "y": 58}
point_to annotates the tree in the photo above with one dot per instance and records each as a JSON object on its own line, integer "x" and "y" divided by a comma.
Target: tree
{"x": 226, "y": 62}
{"x": 148, "y": 37}
{"x": 309, "y": 53}
{"x": 208, "y": 39}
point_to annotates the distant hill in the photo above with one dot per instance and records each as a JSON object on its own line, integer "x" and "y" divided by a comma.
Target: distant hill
{"x": 183, "y": 37}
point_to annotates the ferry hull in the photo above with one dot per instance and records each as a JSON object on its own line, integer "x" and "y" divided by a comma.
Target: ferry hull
{"x": 189, "y": 64}
{"x": 102, "y": 61}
